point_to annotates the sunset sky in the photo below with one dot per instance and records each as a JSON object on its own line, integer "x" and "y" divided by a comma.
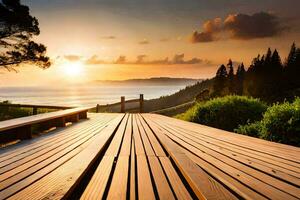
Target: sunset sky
{"x": 122, "y": 39}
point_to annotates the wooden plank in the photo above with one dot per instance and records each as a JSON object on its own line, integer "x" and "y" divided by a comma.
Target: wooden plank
{"x": 242, "y": 190}
{"x": 147, "y": 145}
{"x": 23, "y": 121}
{"x": 204, "y": 186}
{"x": 98, "y": 183}
{"x": 275, "y": 149}
{"x": 7, "y": 192}
{"x": 40, "y": 143}
{"x": 163, "y": 188}
{"x": 118, "y": 188}
{"x": 252, "y": 163}
{"x": 26, "y": 147}
{"x": 257, "y": 153}
{"x": 246, "y": 175}
{"x": 144, "y": 184}
{"x": 154, "y": 142}
{"x": 133, "y": 184}
{"x": 178, "y": 187}
{"x": 47, "y": 152}
{"x": 126, "y": 143}
{"x": 274, "y": 162}
{"x": 114, "y": 146}
{"x": 61, "y": 182}
{"x": 24, "y": 171}
{"x": 139, "y": 147}
{"x": 42, "y": 172}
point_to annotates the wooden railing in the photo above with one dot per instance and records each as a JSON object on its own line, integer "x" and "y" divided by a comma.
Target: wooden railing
{"x": 122, "y": 105}
{"x": 115, "y": 107}
{"x": 34, "y": 107}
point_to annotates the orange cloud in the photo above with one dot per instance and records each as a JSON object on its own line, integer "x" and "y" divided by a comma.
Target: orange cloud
{"x": 144, "y": 41}
{"x": 239, "y": 26}
{"x": 72, "y": 58}
{"x": 94, "y": 60}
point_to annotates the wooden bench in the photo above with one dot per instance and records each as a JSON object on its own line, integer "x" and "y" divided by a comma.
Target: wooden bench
{"x": 21, "y": 128}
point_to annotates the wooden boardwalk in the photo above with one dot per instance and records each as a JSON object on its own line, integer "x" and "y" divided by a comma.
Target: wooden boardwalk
{"x": 147, "y": 156}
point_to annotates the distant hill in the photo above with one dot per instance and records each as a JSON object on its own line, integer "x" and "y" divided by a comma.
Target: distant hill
{"x": 183, "y": 96}
{"x": 150, "y": 81}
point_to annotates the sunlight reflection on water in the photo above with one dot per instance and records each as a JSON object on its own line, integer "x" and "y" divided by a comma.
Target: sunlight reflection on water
{"x": 82, "y": 96}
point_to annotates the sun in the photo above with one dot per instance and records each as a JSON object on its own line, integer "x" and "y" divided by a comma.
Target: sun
{"x": 73, "y": 69}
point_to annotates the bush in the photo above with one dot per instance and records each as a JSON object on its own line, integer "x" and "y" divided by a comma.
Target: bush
{"x": 250, "y": 129}
{"x": 11, "y": 112}
{"x": 281, "y": 123}
{"x": 226, "y": 112}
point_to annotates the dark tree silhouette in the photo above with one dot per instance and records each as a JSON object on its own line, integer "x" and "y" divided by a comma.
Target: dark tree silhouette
{"x": 254, "y": 77}
{"x": 291, "y": 59}
{"x": 292, "y": 68}
{"x": 231, "y": 84}
{"x": 240, "y": 77}
{"x": 220, "y": 81}
{"x": 266, "y": 78}
{"x": 17, "y": 27}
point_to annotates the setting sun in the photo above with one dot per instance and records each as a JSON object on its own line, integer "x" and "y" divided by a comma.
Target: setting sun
{"x": 73, "y": 69}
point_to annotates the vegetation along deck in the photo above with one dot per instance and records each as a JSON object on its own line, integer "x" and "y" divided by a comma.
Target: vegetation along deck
{"x": 147, "y": 156}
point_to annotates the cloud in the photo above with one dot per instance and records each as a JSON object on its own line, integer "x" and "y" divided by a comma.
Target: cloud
{"x": 144, "y": 41}
{"x": 121, "y": 60}
{"x": 72, "y": 58}
{"x": 164, "y": 39}
{"x": 259, "y": 25}
{"x": 240, "y": 27}
{"x": 94, "y": 60}
{"x": 140, "y": 59}
{"x": 109, "y": 37}
{"x": 178, "y": 59}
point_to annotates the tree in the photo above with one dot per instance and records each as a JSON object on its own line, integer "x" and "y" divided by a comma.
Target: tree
{"x": 290, "y": 61}
{"x": 230, "y": 77}
{"x": 254, "y": 77}
{"x": 240, "y": 77}
{"x": 17, "y": 28}
{"x": 220, "y": 81}
{"x": 292, "y": 68}
{"x": 276, "y": 63}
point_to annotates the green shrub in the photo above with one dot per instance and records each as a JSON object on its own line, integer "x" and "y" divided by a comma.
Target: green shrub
{"x": 250, "y": 129}
{"x": 281, "y": 123}
{"x": 226, "y": 112}
{"x": 12, "y": 112}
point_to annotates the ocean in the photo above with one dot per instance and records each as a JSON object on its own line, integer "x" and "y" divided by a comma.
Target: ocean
{"x": 83, "y": 95}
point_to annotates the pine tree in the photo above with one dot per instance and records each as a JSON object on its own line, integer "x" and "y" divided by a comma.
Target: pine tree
{"x": 268, "y": 58}
{"x": 230, "y": 77}
{"x": 276, "y": 62}
{"x": 240, "y": 77}
{"x": 220, "y": 81}
{"x": 296, "y": 74}
{"x": 292, "y": 68}
{"x": 255, "y": 75}
{"x": 290, "y": 61}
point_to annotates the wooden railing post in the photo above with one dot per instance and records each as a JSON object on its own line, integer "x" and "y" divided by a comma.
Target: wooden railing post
{"x": 97, "y": 108}
{"x": 141, "y": 103}
{"x": 122, "y": 104}
{"x": 34, "y": 110}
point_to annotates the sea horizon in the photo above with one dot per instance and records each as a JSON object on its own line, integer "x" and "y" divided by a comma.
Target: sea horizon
{"x": 85, "y": 95}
